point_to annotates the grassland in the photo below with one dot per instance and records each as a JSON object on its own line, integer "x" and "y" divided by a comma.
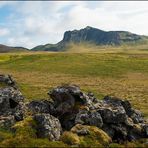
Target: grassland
{"x": 108, "y": 72}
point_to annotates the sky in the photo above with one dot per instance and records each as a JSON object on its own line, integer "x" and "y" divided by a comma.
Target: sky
{"x": 32, "y": 23}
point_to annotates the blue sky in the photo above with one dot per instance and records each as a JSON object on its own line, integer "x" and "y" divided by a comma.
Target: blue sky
{"x": 28, "y": 23}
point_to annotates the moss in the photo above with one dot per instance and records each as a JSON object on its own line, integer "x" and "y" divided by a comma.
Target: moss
{"x": 100, "y": 135}
{"x": 25, "y": 128}
{"x": 87, "y": 141}
{"x": 2, "y": 85}
{"x": 31, "y": 142}
{"x": 25, "y": 136}
{"x": 116, "y": 145}
{"x": 94, "y": 137}
{"x": 142, "y": 143}
{"x": 4, "y": 134}
{"x": 70, "y": 138}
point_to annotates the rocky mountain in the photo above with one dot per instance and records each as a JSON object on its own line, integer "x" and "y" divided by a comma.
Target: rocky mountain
{"x": 4, "y": 48}
{"x": 94, "y": 36}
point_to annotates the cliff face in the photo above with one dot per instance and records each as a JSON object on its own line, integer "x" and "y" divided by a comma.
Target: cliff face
{"x": 92, "y": 35}
{"x": 99, "y": 37}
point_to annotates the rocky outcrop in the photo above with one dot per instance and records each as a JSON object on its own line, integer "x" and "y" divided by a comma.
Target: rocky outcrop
{"x": 70, "y": 109}
{"x": 113, "y": 115}
{"x": 11, "y": 102}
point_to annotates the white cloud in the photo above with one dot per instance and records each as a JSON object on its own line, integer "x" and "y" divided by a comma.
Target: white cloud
{"x": 4, "y": 32}
{"x": 38, "y": 22}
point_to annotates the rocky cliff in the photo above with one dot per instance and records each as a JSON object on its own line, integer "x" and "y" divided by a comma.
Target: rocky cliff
{"x": 93, "y": 36}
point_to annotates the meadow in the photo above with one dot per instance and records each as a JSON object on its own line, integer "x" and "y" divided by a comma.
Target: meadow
{"x": 112, "y": 72}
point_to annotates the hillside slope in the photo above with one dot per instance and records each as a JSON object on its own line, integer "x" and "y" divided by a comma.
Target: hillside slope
{"x": 94, "y": 36}
{"x": 5, "y": 49}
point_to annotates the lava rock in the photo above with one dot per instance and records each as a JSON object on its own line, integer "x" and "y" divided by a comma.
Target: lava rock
{"x": 11, "y": 102}
{"x": 136, "y": 116}
{"x": 40, "y": 106}
{"x": 48, "y": 126}
{"x": 113, "y": 116}
{"x": 89, "y": 118}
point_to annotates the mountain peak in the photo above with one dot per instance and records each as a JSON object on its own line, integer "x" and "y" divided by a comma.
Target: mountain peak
{"x": 88, "y": 27}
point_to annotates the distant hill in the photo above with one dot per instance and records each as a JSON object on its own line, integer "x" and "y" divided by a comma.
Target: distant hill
{"x": 94, "y": 36}
{"x": 4, "y": 48}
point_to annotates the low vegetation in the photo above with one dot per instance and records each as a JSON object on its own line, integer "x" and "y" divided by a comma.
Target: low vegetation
{"x": 24, "y": 135}
{"x": 121, "y": 73}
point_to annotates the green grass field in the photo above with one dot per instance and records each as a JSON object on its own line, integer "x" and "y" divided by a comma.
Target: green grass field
{"x": 120, "y": 74}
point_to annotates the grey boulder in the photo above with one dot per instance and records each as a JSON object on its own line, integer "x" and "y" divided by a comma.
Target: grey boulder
{"x": 48, "y": 126}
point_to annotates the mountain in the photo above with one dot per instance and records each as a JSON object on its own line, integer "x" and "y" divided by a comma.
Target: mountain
{"x": 4, "y": 48}
{"x": 94, "y": 36}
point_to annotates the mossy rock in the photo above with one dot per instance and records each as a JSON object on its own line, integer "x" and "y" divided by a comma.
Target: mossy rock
{"x": 94, "y": 137}
{"x": 25, "y": 136}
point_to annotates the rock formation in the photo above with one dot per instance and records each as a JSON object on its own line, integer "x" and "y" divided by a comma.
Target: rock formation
{"x": 11, "y": 102}
{"x": 72, "y": 110}
{"x": 113, "y": 115}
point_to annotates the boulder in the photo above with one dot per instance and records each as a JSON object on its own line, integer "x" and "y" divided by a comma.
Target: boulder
{"x": 89, "y": 118}
{"x": 40, "y": 106}
{"x": 67, "y": 99}
{"x": 48, "y": 126}
{"x": 110, "y": 115}
{"x": 11, "y": 102}
{"x": 136, "y": 116}
{"x": 112, "y": 110}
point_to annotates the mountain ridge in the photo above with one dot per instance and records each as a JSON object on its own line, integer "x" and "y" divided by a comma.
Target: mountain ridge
{"x": 87, "y": 35}
{"x": 94, "y": 36}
